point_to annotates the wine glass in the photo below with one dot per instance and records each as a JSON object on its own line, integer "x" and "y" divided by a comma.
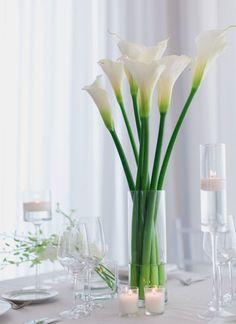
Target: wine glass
{"x": 37, "y": 209}
{"x": 72, "y": 253}
{"x": 96, "y": 250}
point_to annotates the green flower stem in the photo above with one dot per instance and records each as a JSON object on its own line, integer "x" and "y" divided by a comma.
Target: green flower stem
{"x": 134, "y": 240}
{"x": 154, "y": 258}
{"x": 142, "y": 186}
{"x": 157, "y": 158}
{"x": 150, "y": 248}
{"x": 123, "y": 160}
{"x": 173, "y": 138}
{"x": 145, "y": 135}
{"x": 154, "y": 275}
{"x": 136, "y": 216}
{"x": 161, "y": 275}
{"x": 106, "y": 275}
{"x": 129, "y": 130}
{"x": 136, "y": 114}
{"x": 139, "y": 201}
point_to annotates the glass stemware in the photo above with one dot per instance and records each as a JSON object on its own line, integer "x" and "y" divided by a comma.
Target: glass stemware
{"x": 213, "y": 215}
{"x": 228, "y": 250}
{"x": 96, "y": 251}
{"x": 72, "y": 254}
{"x": 37, "y": 209}
{"x": 221, "y": 260}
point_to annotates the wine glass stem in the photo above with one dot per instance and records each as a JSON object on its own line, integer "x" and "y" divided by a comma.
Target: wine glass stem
{"x": 37, "y": 234}
{"x": 216, "y": 292}
{"x": 76, "y": 294}
{"x": 89, "y": 285}
{"x": 220, "y": 283}
{"x": 231, "y": 280}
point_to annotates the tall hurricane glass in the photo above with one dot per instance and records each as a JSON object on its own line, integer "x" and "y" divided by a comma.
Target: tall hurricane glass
{"x": 213, "y": 213}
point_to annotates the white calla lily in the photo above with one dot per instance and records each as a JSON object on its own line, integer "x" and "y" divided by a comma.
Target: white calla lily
{"x": 145, "y": 76}
{"x": 174, "y": 66}
{"x": 210, "y": 45}
{"x": 101, "y": 99}
{"x": 114, "y": 72}
{"x": 142, "y": 53}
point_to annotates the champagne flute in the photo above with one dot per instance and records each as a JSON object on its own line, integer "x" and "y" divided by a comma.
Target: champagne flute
{"x": 37, "y": 209}
{"x": 72, "y": 253}
{"x": 221, "y": 260}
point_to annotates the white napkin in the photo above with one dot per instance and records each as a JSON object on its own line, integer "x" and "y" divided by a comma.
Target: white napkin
{"x": 186, "y": 277}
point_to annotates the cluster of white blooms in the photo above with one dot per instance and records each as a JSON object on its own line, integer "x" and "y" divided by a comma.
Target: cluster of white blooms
{"x": 146, "y": 69}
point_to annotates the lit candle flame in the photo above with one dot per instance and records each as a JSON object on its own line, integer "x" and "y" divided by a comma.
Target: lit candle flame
{"x": 212, "y": 174}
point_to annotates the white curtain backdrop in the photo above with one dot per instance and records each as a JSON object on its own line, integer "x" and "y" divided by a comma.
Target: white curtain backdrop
{"x": 51, "y": 134}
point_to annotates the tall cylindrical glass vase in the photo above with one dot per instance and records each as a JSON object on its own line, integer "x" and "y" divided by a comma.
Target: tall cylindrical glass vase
{"x": 147, "y": 239}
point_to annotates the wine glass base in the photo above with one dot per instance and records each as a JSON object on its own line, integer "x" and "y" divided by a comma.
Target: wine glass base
{"x": 74, "y": 313}
{"x": 213, "y": 313}
{"x": 95, "y": 306}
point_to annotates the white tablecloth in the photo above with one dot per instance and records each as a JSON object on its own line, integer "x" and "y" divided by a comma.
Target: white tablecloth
{"x": 185, "y": 302}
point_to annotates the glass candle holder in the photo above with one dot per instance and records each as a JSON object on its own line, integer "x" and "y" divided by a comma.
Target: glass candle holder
{"x": 37, "y": 209}
{"x": 128, "y": 301}
{"x": 37, "y": 206}
{"x": 213, "y": 188}
{"x": 154, "y": 300}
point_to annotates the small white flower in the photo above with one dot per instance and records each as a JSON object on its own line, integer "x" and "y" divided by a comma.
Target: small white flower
{"x": 174, "y": 66}
{"x": 101, "y": 99}
{"x": 210, "y": 45}
{"x": 114, "y": 72}
{"x": 95, "y": 252}
{"x": 146, "y": 76}
{"x": 49, "y": 253}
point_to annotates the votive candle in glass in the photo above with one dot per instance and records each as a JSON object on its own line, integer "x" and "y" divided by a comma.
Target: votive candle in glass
{"x": 128, "y": 301}
{"x": 154, "y": 300}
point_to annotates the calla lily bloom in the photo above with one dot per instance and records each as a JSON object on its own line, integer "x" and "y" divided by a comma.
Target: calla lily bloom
{"x": 146, "y": 76}
{"x": 114, "y": 72}
{"x": 101, "y": 99}
{"x": 210, "y": 45}
{"x": 174, "y": 66}
{"x": 142, "y": 53}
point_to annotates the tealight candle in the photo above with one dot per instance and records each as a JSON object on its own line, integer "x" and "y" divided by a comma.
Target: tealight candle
{"x": 154, "y": 300}
{"x": 128, "y": 301}
{"x": 213, "y": 183}
{"x": 37, "y": 206}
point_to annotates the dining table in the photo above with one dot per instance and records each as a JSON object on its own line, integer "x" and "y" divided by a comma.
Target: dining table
{"x": 184, "y": 304}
